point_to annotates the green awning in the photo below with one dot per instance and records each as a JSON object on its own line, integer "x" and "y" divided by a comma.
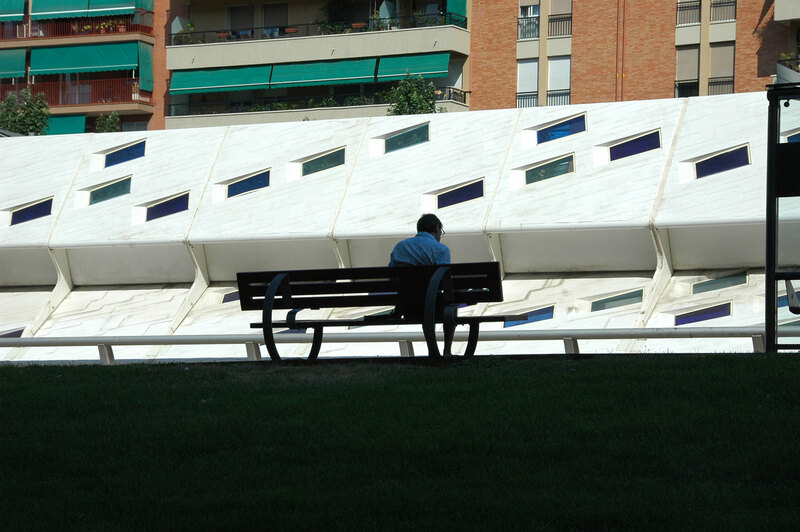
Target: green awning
{"x": 61, "y": 125}
{"x": 11, "y": 10}
{"x": 104, "y": 8}
{"x": 86, "y": 58}
{"x": 145, "y": 66}
{"x": 457, "y": 7}
{"x": 12, "y": 63}
{"x": 324, "y": 73}
{"x": 45, "y": 9}
{"x": 396, "y": 67}
{"x": 220, "y": 79}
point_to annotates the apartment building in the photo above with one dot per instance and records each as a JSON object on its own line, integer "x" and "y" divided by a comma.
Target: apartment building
{"x": 89, "y": 57}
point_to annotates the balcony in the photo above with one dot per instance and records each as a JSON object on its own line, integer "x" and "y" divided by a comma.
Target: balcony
{"x": 139, "y": 22}
{"x": 787, "y": 10}
{"x": 528, "y": 28}
{"x": 315, "y": 29}
{"x": 559, "y": 25}
{"x": 686, "y": 88}
{"x": 527, "y": 99}
{"x": 723, "y": 10}
{"x": 688, "y": 13}
{"x": 89, "y": 92}
{"x": 788, "y": 70}
{"x": 722, "y": 85}
{"x": 558, "y": 97}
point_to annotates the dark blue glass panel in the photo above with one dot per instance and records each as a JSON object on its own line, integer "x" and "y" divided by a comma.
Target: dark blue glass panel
{"x": 230, "y": 296}
{"x": 563, "y": 129}
{"x": 783, "y": 301}
{"x": 722, "y": 162}
{"x": 32, "y": 212}
{"x": 171, "y": 206}
{"x": 324, "y": 162}
{"x": 460, "y": 195}
{"x": 709, "y": 313}
{"x": 793, "y": 138}
{"x": 651, "y": 141}
{"x": 536, "y": 315}
{"x": 134, "y": 151}
{"x": 120, "y": 188}
{"x": 251, "y": 183}
{"x": 12, "y": 334}
{"x": 414, "y": 136}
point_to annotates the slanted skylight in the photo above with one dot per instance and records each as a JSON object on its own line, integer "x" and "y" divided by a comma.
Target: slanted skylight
{"x": 230, "y": 296}
{"x": 565, "y": 128}
{"x": 541, "y": 314}
{"x": 13, "y": 333}
{"x": 719, "y": 283}
{"x": 32, "y": 211}
{"x": 407, "y": 138}
{"x": 634, "y": 146}
{"x": 722, "y": 162}
{"x": 553, "y": 168}
{"x": 620, "y": 300}
{"x": 709, "y": 313}
{"x": 168, "y": 206}
{"x": 124, "y": 154}
{"x": 460, "y": 194}
{"x": 110, "y": 190}
{"x": 323, "y": 162}
{"x": 793, "y": 138}
{"x": 248, "y": 184}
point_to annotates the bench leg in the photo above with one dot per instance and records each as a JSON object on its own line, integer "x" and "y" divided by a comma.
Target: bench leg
{"x": 472, "y": 340}
{"x": 440, "y": 279}
{"x": 316, "y": 343}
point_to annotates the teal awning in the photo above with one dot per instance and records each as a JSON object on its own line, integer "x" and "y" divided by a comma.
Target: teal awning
{"x": 145, "y": 66}
{"x": 11, "y": 10}
{"x": 104, "y": 8}
{"x": 458, "y": 7}
{"x": 44, "y": 9}
{"x": 396, "y": 67}
{"x": 12, "y": 63}
{"x": 86, "y": 58}
{"x": 324, "y": 73}
{"x": 220, "y": 79}
{"x": 61, "y": 125}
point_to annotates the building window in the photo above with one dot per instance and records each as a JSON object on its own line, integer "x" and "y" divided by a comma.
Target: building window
{"x": 635, "y": 146}
{"x": 409, "y": 137}
{"x": 248, "y": 184}
{"x": 230, "y": 296}
{"x": 527, "y": 82}
{"x": 110, "y": 190}
{"x": 323, "y": 162}
{"x": 720, "y": 283}
{"x": 14, "y": 333}
{"x": 528, "y": 23}
{"x": 128, "y": 153}
{"x": 687, "y": 71}
{"x": 723, "y": 10}
{"x": 555, "y": 168}
{"x": 169, "y": 206}
{"x": 533, "y": 316}
{"x": 460, "y": 194}
{"x": 722, "y": 162}
{"x": 793, "y": 138}
{"x": 558, "y": 81}
{"x": 688, "y": 13}
{"x": 709, "y": 313}
{"x": 628, "y": 298}
{"x": 571, "y": 126}
{"x": 720, "y": 79}
{"x": 33, "y": 211}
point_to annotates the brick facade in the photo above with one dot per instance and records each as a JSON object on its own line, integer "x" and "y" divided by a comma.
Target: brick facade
{"x": 760, "y": 40}
{"x": 493, "y": 59}
{"x": 165, "y": 12}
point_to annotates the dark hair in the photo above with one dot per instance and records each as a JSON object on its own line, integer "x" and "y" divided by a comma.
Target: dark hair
{"x": 428, "y": 223}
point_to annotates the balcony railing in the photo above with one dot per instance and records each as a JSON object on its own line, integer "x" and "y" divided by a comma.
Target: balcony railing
{"x": 88, "y": 92}
{"x": 792, "y": 63}
{"x": 720, "y": 85}
{"x": 688, "y": 13}
{"x": 528, "y": 28}
{"x": 723, "y": 10}
{"x": 251, "y": 105}
{"x": 686, "y": 88}
{"x": 316, "y": 29}
{"x": 559, "y": 25}
{"x": 559, "y": 97}
{"x": 140, "y": 22}
{"x": 527, "y": 99}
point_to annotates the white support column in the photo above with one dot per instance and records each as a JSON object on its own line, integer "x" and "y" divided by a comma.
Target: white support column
{"x": 106, "y": 354}
{"x": 61, "y": 290}
{"x": 253, "y": 351}
{"x": 199, "y": 286}
{"x": 406, "y": 348}
{"x": 571, "y": 346}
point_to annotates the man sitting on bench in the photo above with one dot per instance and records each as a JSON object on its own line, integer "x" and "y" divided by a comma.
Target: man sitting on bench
{"x": 423, "y": 248}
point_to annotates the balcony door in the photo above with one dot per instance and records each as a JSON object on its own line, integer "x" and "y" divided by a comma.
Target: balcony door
{"x": 240, "y": 20}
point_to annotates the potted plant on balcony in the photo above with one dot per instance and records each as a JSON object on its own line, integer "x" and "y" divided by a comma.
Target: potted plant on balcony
{"x": 121, "y": 26}
{"x": 291, "y": 29}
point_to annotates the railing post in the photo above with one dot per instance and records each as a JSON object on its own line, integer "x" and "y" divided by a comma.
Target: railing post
{"x": 571, "y": 346}
{"x": 253, "y": 351}
{"x": 106, "y": 354}
{"x": 759, "y": 343}
{"x": 406, "y": 348}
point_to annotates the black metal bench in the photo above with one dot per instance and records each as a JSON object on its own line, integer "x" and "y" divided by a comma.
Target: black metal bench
{"x": 423, "y": 295}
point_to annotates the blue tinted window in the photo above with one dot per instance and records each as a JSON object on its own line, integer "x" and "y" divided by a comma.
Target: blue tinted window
{"x": 171, "y": 206}
{"x": 719, "y": 282}
{"x": 37, "y": 210}
{"x": 120, "y": 188}
{"x": 405, "y": 139}
{"x": 460, "y": 194}
{"x": 651, "y": 141}
{"x": 323, "y": 162}
{"x": 562, "y": 129}
{"x": 709, "y": 313}
{"x": 783, "y": 301}
{"x": 628, "y": 298}
{"x": 134, "y": 151}
{"x": 556, "y": 168}
{"x": 723, "y": 162}
{"x": 251, "y": 183}
{"x": 12, "y": 334}
{"x": 793, "y": 138}
{"x": 533, "y": 316}
{"x": 230, "y": 296}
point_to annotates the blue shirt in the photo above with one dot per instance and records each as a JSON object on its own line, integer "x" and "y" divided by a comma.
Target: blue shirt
{"x": 418, "y": 250}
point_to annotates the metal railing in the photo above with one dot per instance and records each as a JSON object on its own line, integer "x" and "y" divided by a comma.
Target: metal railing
{"x": 288, "y": 104}
{"x": 688, "y": 13}
{"x": 559, "y": 97}
{"x": 528, "y": 28}
{"x": 252, "y": 342}
{"x": 83, "y": 92}
{"x": 794, "y": 64}
{"x": 686, "y": 88}
{"x": 315, "y": 29}
{"x": 723, "y": 10}
{"x": 527, "y": 99}
{"x": 559, "y": 25}
{"x": 720, "y": 85}
{"x": 140, "y": 22}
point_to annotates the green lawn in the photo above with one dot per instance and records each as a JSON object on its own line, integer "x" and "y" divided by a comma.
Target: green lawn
{"x": 644, "y": 442}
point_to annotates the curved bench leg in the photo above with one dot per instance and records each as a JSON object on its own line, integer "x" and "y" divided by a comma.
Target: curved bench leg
{"x": 449, "y": 326}
{"x": 472, "y": 340}
{"x": 316, "y": 343}
{"x": 439, "y": 277}
{"x": 276, "y": 284}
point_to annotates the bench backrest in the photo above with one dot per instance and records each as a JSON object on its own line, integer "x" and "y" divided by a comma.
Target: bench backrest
{"x": 473, "y": 282}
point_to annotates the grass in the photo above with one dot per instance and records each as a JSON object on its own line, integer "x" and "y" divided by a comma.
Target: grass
{"x": 655, "y": 442}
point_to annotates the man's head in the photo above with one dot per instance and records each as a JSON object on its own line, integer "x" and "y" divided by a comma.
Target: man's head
{"x": 429, "y": 223}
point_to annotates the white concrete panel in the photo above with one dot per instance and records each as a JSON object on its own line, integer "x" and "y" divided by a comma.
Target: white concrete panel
{"x": 718, "y": 246}
{"x": 225, "y": 259}
{"x": 26, "y": 267}
{"x": 130, "y": 264}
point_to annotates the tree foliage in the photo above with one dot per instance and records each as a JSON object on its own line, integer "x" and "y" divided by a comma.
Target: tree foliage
{"x": 412, "y": 96}
{"x": 25, "y": 113}
{"x": 107, "y": 124}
